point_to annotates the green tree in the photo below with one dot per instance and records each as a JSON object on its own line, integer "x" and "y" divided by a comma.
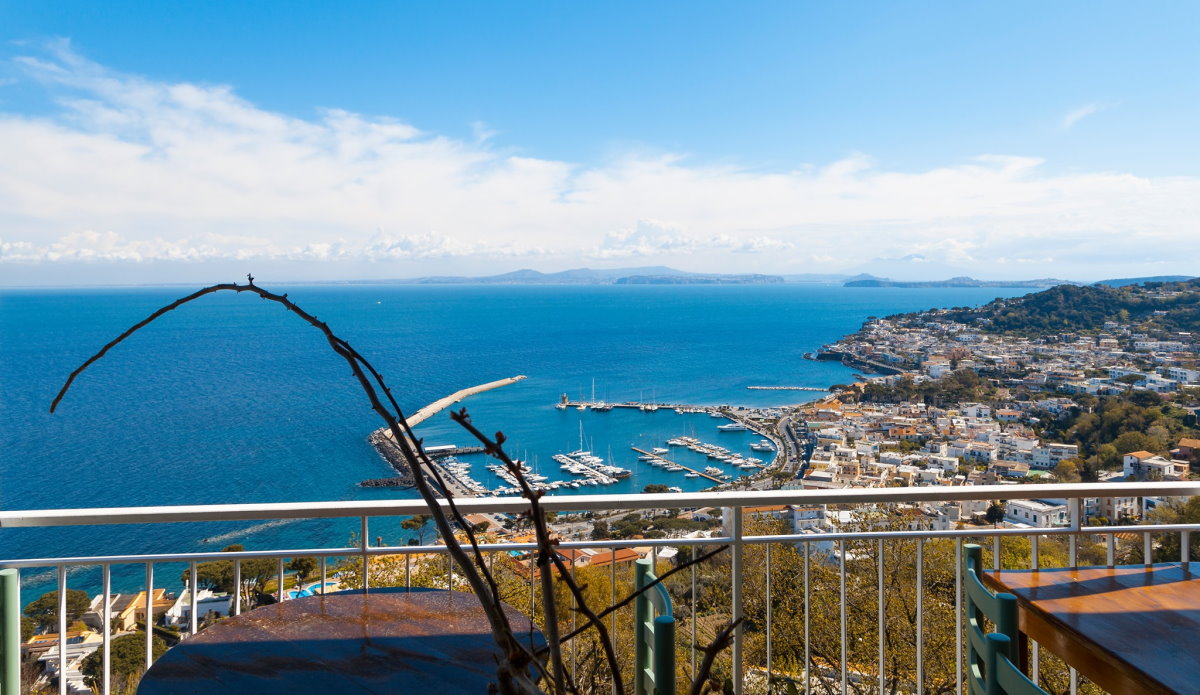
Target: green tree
{"x": 995, "y": 513}
{"x": 44, "y": 609}
{"x": 417, "y": 525}
{"x": 217, "y": 575}
{"x": 128, "y": 654}
{"x": 303, "y": 567}
{"x": 655, "y": 488}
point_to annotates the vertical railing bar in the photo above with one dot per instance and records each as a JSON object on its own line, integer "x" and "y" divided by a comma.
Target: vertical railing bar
{"x": 1148, "y": 548}
{"x": 769, "y": 602}
{"x": 279, "y": 571}
{"x": 612, "y": 583}
{"x": 1074, "y": 681}
{"x": 324, "y": 574}
{"x": 1111, "y": 550}
{"x": 693, "y": 623}
{"x": 1076, "y": 512}
{"x": 193, "y": 622}
{"x": 149, "y": 614}
{"x": 1185, "y": 547}
{"x": 920, "y": 616}
{"x": 881, "y": 619}
{"x": 958, "y": 615}
{"x": 62, "y": 629}
{"x": 574, "y": 625}
{"x": 407, "y": 572}
{"x": 735, "y": 526}
{"x": 1035, "y": 554}
{"x": 106, "y": 623}
{"x": 807, "y": 622}
{"x": 363, "y": 545}
{"x": 449, "y": 573}
{"x": 1035, "y": 661}
{"x": 237, "y": 584}
{"x": 842, "y": 601}
{"x": 996, "y": 553}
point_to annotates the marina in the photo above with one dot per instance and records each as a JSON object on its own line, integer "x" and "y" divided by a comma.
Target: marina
{"x": 680, "y": 466}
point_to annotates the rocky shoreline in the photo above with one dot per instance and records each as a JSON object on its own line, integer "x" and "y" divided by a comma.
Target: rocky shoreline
{"x": 390, "y": 453}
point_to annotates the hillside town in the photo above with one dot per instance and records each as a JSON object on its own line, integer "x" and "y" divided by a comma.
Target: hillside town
{"x": 903, "y": 425}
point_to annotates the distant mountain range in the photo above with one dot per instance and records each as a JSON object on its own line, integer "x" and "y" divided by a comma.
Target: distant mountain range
{"x": 663, "y": 275}
{"x": 648, "y": 275}
{"x": 1040, "y": 283}
{"x": 872, "y": 281}
{"x": 1125, "y": 282}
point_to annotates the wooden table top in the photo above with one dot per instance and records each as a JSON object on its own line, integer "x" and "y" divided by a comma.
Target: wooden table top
{"x": 1130, "y": 629}
{"x": 385, "y": 641}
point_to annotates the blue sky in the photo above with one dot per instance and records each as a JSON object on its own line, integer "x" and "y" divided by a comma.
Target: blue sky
{"x": 998, "y": 139}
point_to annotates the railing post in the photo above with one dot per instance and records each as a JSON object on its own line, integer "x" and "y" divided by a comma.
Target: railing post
{"x": 149, "y": 615}
{"x": 1076, "y": 509}
{"x": 62, "y": 629}
{"x": 363, "y": 545}
{"x": 237, "y": 583}
{"x": 106, "y": 622}
{"x": 10, "y": 628}
{"x": 732, "y": 516}
{"x": 193, "y": 619}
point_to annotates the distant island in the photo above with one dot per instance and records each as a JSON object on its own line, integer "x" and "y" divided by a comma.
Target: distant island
{"x": 872, "y": 281}
{"x": 700, "y": 280}
{"x": 648, "y": 275}
{"x": 866, "y": 280}
{"x": 664, "y": 275}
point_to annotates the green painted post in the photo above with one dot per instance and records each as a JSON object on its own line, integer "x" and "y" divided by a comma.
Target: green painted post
{"x": 664, "y": 655}
{"x": 10, "y": 632}
{"x": 641, "y": 622}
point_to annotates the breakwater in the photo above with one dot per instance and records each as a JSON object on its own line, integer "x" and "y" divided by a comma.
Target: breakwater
{"x": 852, "y": 360}
{"x": 385, "y": 444}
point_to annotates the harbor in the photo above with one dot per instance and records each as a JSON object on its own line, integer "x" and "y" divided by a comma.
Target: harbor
{"x": 741, "y": 437}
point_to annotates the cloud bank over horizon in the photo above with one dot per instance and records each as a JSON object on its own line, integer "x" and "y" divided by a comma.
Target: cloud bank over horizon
{"x": 133, "y": 174}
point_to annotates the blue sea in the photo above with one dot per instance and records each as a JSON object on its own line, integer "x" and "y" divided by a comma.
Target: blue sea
{"x": 231, "y": 399}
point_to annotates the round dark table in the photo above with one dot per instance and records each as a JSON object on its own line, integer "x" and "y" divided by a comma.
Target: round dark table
{"x": 384, "y": 641}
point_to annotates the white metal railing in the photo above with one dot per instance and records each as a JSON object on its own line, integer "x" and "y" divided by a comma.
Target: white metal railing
{"x": 733, "y": 534}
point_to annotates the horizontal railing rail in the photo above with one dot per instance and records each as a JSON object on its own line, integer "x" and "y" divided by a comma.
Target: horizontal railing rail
{"x": 327, "y": 510}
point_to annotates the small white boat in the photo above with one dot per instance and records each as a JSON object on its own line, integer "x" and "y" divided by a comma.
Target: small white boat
{"x": 674, "y": 489}
{"x": 733, "y": 427}
{"x": 691, "y": 475}
{"x": 659, "y": 450}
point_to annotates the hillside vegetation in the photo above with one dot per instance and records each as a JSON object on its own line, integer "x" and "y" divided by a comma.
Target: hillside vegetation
{"x": 1073, "y": 309}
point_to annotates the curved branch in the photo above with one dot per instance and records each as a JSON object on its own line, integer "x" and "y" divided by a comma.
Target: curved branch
{"x": 514, "y": 671}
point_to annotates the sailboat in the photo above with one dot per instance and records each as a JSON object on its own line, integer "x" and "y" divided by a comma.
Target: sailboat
{"x": 598, "y": 406}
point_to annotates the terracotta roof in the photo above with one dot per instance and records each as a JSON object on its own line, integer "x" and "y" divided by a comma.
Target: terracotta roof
{"x": 1189, "y": 442}
{"x": 1140, "y": 454}
{"x": 619, "y": 555}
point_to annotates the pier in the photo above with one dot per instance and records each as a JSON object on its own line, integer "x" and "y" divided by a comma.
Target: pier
{"x": 702, "y": 474}
{"x": 787, "y": 388}
{"x": 442, "y": 403}
{"x": 385, "y": 443}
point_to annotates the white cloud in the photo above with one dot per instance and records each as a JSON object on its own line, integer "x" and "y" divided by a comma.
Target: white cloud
{"x": 132, "y": 170}
{"x": 1074, "y": 116}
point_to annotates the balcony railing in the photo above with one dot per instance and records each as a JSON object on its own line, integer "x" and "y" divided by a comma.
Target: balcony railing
{"x": 844, "y": 667}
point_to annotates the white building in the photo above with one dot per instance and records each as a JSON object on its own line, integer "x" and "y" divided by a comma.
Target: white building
{"x": 1039, "y": 513}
